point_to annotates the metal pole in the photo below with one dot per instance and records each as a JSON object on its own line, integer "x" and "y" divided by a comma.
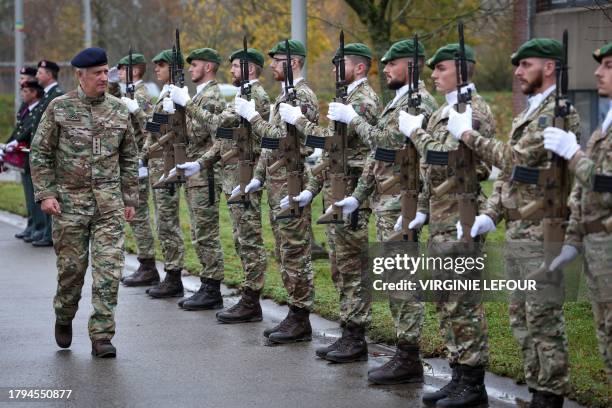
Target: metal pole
{"x": 18, "y": 48}
{"x": 87, "y": 22}
{"x": 298, "y": 24}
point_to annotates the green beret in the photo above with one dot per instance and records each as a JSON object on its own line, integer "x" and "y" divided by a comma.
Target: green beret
{"x": 359, "y": 49}
{"x": 295, "y": 46}
{"x": 448, "y": 52}
{"x": 204, "y": 54}
{"x": 253, "y": 55}
{"x": 602, "y": 52}
{"x": 538, "y": 48}
{"x": 165, "y": 56}
{"x": 136, "y": 59}
{"x": 402, "y": 49}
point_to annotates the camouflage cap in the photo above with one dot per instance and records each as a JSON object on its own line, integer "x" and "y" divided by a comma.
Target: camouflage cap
{"x": 165, "y": 56}
{"x": 602, "y": 52}
{"x": 402, "y": 49}
{"x": 538, "y": 48}
{"x": 204, "y": 54}
{"x": 358, "y": 49}
{"x": 448, "y": 52}
{"x": 253, "y": 55}
{"x": 295, "y": 46}
{"x": 136, "y": 59}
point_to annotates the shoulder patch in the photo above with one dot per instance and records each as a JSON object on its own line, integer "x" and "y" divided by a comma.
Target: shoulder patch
{"x": 544, "y": 121}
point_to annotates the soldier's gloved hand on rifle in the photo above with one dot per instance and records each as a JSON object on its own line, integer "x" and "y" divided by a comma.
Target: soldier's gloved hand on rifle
{"x": 113, "y": 75}
{"x": 340, "y": 112}
{"x": 180, "y": 96}
{"x": 245, "y": 108}
{"x": 409, "y": 123}
{"x": 348, "y": 204}
{"x": 168, "y": 105}
{"x": 143, "y": 172}
{"x": 567, "y": 255}
{"x": 290, "y": 113}
{"x": 459, "y": 123}
{"x": 253, "y": 186}
{"x": 10, "y": 146}
{"x": 131, "y": 104}
{"x": 303, "y": 199}
{"x": 561, "y": 142}
{"x": 419, "y": 220}
{"x": 482, "y": 224}
{"x": 190, "y": 168}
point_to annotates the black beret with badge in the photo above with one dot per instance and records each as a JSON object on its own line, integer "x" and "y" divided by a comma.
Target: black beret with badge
{"x": 90, "y": 57}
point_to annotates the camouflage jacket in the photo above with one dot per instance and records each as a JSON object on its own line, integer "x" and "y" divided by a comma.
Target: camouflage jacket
{"x": 585, "y": 204}
{"x": 145, "y": 102}
{"x": 84, "y": 154}
{"x": 444, "y": 210}
{"x": 525, "y": 148}
{"x": 386, "y": 134}
{"x": 277, "y": 128}
{"x": 365, "y": 102}
{"x": 229, "y": 119}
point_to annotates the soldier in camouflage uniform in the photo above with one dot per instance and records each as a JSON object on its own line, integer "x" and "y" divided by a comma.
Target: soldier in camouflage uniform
{"x": 346, "y": 243}
{"x": 591, "y": 208}
{"x": 147, "y": 273}
{"x": 84, "y": 167}
{"x": 405, "y": 366}
{"x": 293, "y": 234}
{"x": 462, "y": 319}
{"x": 538, "y": 325}
{"x": 204, "y": 64}
{"x": 246, "y": 218}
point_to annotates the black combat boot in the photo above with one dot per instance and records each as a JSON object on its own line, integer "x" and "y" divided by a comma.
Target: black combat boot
{"x": 145, "y": 275}
{"x": 322, "y": 351}
{"x": 433, "y": 397}
{"x": 296, "y": 327}
{"x": 63, "y": 334}
{"x": 103, "y": 349}
{"x": 207, "y": 297}
{"x": 404, "y": 367}
{"x": 353, "y": 348}
{"x": 544, "y": 399}
{"x": 171, "y": 286}
{"x": 246, "y": 310}
{"x": 470, "y": 392}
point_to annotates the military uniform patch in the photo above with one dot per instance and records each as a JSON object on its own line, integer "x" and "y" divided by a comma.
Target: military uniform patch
{"x": 74, "y": 116}
{"x": 544, "y": 122}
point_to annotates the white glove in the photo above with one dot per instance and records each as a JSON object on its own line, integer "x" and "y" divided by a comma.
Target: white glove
{"x": 398, "y": 224}
{"x": 348, "y": 204}
{"x": 253, "y": 186}
{"x": 409, "y": 123}
{"x": 245, "y": 108}
{"x": 180, "y": 96}
{"x": 418, "y": 221}
{"x": 459, "y": 230}
{"x": 168, "y": 105}
{"x": 290, "y": 113}
{"x": 567, "y": 255}
{"x": 1, "y": 155}
{"x": 10, "y": 146}
{"x": 131, "y": 104}
{"x": 482, "y": 224}
{"x": 340, "y": 112}
{"x": 458, "y": 123}
{"x": 113, "y": 75}
{"x": 561, "y": 142}
{"x": 143, "y": 172}
{"x": 302, "y": 199}
{"x": 190, "y": 168}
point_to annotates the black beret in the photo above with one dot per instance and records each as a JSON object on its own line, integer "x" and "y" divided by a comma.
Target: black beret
{"x": 50, "y": 65}
{"x": 33, "y": 85}
{"x": 90, "y": 57}
{"x": 31, "y": 71}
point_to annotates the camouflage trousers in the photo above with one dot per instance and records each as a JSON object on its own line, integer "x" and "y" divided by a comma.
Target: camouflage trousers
{"x": 72, "y": 235}
{"x": 248, "y": 240}
{"x": 348, "y": 249}
{"x": 169, "y": 227}
{"x": 408, "y": 314}
{"x": 537, "y": 321}
{"x": 598, "y": 252}
{"x": 141, "y": 224}
{"x": 293, "y": 235}
{"x": 463, "y": 324}
{"x": 205, "y": 230}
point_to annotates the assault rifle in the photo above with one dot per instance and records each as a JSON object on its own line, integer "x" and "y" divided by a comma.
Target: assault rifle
{"x": 129, "y": 77}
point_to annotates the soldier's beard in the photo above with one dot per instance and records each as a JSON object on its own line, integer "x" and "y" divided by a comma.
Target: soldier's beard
{"x": 531, "y": 87}
{"x": 395, "y": 84}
